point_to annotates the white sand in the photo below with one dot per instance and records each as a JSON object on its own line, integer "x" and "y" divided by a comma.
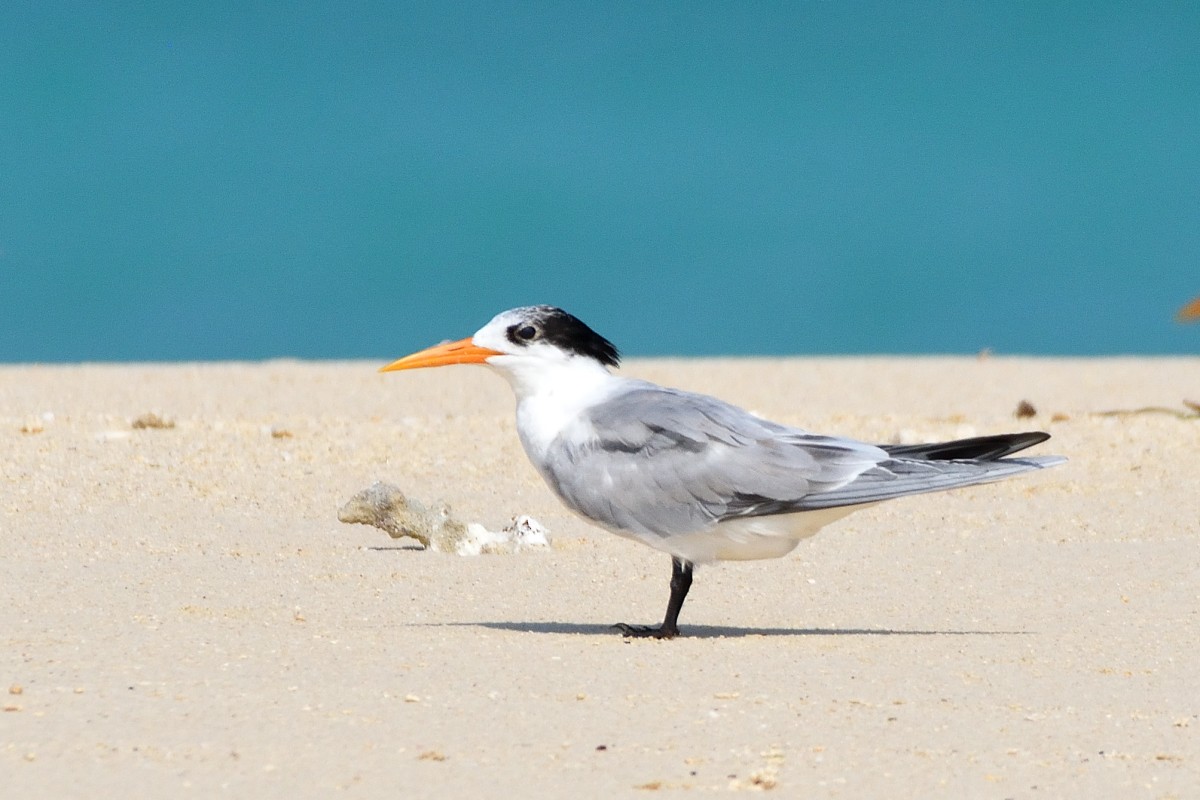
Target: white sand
{"x": 183, "y": 611}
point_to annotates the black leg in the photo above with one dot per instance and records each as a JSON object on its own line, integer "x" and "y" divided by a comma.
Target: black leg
{"x": 681, "y": 581}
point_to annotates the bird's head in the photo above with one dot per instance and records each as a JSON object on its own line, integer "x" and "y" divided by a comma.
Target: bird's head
{"x": 522, "y": 344}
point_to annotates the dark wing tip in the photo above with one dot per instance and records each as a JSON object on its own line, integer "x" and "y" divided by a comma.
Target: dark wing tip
{"x": 984, "y": 448}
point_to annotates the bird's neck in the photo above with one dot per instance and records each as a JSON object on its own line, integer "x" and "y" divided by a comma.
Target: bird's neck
{"x": 553, "y": 397}
{"x": 537, "y": 377}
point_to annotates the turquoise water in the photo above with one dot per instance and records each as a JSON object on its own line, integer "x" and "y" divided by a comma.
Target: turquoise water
{"x": 331, "y": 180}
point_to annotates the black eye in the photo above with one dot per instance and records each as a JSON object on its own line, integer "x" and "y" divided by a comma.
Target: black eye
{"x": 527, "y": 332}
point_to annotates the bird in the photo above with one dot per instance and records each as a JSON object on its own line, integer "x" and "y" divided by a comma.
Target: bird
{"x": 688, "y": 474}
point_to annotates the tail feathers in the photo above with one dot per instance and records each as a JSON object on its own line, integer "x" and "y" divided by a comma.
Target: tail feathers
{"x": 981, "y": 448}
{"x": 906, "y": 476}
{"x": 914, "y": 469}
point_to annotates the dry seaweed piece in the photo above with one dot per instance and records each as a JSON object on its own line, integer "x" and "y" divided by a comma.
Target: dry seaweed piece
{"x": 1025, "y": 410}
{"x": 152, "y": 420}
{"x": 1192, "y": 412}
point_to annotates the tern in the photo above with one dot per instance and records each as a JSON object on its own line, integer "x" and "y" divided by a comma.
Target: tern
{"x": 688, "y": 474}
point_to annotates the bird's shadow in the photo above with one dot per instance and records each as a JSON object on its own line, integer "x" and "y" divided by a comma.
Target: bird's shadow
{"x": 713, "y": 631}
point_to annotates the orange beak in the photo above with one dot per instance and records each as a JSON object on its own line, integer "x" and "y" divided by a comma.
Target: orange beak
{"x": 461, "y": 352}
{"x": 1189, "y": 312}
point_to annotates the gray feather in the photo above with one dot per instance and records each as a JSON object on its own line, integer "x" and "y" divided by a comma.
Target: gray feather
{"x": 664, "y": 462}
{"x": 901, "y": 477}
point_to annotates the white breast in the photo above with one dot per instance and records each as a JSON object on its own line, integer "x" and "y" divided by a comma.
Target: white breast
{"x": 548, "y": 409}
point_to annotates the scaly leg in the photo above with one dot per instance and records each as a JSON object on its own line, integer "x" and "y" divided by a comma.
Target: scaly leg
{"x": 681, "y": 581}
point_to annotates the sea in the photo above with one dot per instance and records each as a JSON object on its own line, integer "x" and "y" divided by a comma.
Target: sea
{"x": 333, "y": 180}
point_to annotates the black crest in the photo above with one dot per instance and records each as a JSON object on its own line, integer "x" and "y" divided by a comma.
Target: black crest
{"x": 563, "y": 330}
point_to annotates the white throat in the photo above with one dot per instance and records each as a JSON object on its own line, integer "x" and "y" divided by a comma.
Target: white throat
{"x": 552, "y": 396}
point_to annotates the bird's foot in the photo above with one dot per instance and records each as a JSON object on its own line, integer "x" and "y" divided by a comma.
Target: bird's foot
{"x": 646, "y": 632}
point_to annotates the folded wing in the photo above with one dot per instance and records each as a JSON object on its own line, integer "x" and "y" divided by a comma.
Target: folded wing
{"x": 664, "y": 462}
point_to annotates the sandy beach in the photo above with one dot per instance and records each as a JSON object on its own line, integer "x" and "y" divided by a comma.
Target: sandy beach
{"x": 184, "y": 615}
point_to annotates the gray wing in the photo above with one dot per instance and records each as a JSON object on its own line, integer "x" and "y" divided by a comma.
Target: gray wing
{"x": 664, "y": 461}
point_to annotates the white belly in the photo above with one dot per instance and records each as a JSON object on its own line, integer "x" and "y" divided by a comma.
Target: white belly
{"x": 748, "y": 538}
